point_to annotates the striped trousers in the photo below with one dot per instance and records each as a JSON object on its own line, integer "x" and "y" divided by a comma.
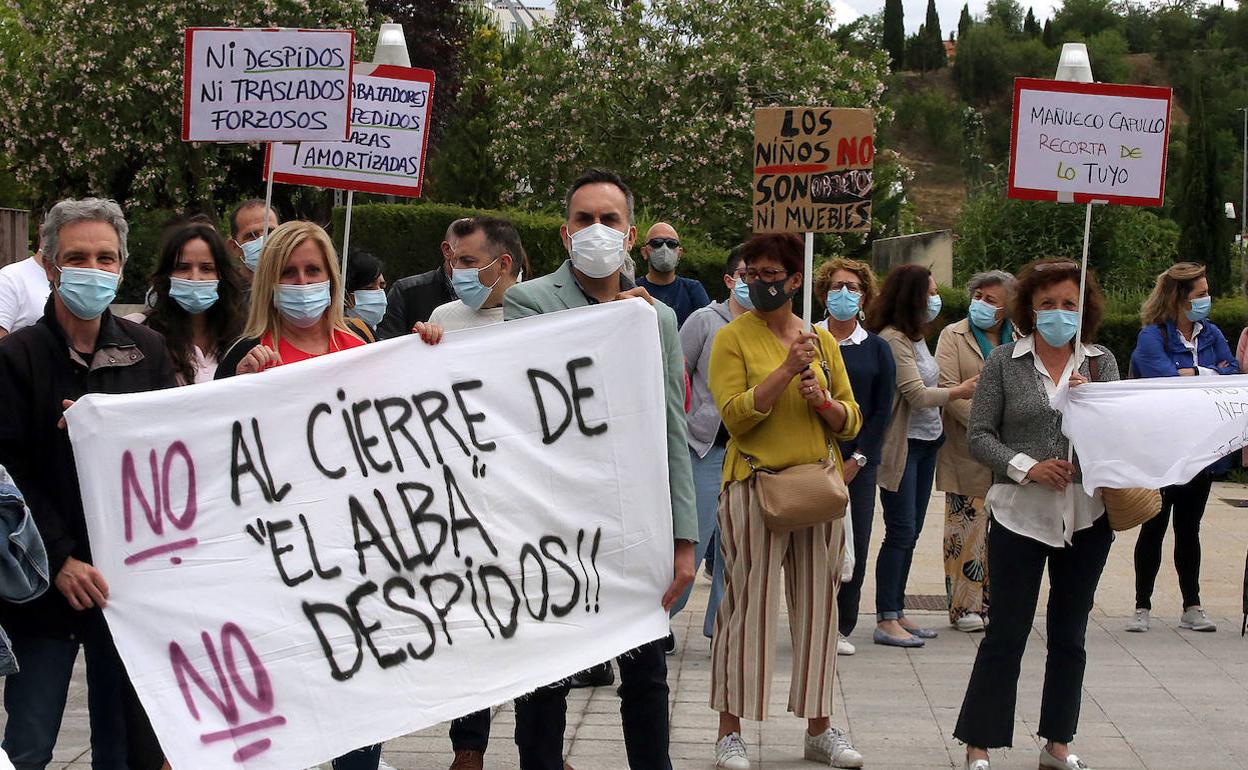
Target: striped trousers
{"x": 743, "y": 650}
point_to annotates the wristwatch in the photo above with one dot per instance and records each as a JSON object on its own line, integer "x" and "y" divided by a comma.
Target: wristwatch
{"x": 859, "y": 458}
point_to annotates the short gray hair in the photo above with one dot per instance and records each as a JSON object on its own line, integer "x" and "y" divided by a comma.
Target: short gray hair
{"x": 992, "y": 278}
{"x": 71, "y": 211}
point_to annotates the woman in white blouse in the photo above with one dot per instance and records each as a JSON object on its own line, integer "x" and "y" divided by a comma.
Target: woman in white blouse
{"x": 1040, "y": 514}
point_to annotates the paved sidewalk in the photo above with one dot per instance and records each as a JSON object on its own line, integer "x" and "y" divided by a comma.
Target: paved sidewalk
{"x": 1165, "y": 699}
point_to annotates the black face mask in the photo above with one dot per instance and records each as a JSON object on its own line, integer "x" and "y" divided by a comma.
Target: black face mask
{"x": 769, "y": 296}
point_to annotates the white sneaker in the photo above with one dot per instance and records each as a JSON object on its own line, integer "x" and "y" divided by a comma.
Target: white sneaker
{"x": 730, "y": 753}
{"x": 832, "y": 747}
{"x": 1195, "y": 619}
{"x": 844, "y": 646}
{"x": 1140, "y": 624}
{"x": 970, "y": 623}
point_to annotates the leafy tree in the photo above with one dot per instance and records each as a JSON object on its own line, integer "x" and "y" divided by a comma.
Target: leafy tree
{"x": 1086, "y": 18}
{"x": 1204, "y": 233}
{"x": 1031, "y": 27}
{"x": 964, "y": 21}
{"x": 895, "y": 33}
{"x": 1006, "y": 14}
{"x": 91, "y": 98}
{"x": 665, "y": 95}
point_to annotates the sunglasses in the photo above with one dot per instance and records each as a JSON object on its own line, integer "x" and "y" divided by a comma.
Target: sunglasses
{"x": 658, "y": 243}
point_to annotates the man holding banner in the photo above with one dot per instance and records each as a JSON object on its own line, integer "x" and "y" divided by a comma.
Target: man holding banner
{"x": 598, "y": 233}
{"x": 78, "y": 347}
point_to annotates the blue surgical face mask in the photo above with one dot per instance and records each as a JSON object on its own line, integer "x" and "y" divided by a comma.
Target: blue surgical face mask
{"x": 194, "y": 296}
{"x": 843, "y": 304}
{"x": 933, "y": 307}
{"x": 1057, "y": 326}
{"x": 87, "y": 292}
{"x": 370, "y": 305}
{"x": 251, "y": 252}
{"x": 468, "y": 287}
{"x": 741, "y": 290}
{"x": 983, "y": 315}
{"x": 1200, "y": 309}
{"x": 304, "y": 305}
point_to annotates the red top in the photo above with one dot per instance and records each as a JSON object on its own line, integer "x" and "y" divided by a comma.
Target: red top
{"x": 290, "y": 354}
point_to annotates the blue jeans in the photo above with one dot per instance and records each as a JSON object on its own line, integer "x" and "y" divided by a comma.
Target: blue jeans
{"x": 904, "y": 511}
{"x": 861, "y": 512}
{"x": 34, "y": 699}
{"x": 707, "y": 474}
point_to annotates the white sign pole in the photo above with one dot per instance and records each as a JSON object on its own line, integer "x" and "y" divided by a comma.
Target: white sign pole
{"x": 268, "y": 196}
{"x": 346, "y": 232}
{"x": 807, "y": 279}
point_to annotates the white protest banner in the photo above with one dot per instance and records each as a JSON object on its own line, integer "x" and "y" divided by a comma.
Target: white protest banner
{"x": 1154, "y": 432}
{"x": 1086, "y": 142}
{"x": 336, "y": 552}
{"x": 266, "y": 85}
{"x": 385, "y": 152}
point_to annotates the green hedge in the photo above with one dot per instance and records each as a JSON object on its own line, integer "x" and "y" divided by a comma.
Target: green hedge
{"x": 1120, "y": 327}
{"x": 407, "y": 238}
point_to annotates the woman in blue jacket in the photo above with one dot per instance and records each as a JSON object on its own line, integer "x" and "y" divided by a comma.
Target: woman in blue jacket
{"x": 1177, "y": 339}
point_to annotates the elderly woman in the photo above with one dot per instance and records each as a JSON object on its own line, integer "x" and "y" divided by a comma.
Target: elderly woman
{"x": 1040, "y": 514}
{"x": 846, "y": 287}
{"x": 961, "y": 351}
{"x": 1178, "y": 340}
{"x": 907, "y": 306}
{"x": 785, "y": 399}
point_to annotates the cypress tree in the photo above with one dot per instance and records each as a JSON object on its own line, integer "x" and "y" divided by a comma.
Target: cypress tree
{"x": 1203, "y": 235}
{"x": 964, "y": 21}
{"x": 1031, "y": 27}
{"x": 895, "y": 32}
{"x": 1049, "y": 37}
{"x": 934, "y": 43}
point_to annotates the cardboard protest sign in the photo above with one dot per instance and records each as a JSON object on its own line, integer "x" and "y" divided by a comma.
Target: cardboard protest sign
{"x": 266, "y": 85}
{"x": 335, "y": 552}
{"x": 385, "y": 152}
{"x": 812, "y": 169}
{"x": 1086, "y": 142}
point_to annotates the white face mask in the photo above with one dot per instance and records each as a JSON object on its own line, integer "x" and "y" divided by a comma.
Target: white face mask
{"x": 598, "y": 250}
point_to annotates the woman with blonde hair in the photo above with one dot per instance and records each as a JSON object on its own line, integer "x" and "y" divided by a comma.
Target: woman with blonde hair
{"x": 961, "y": 352}
{"x": 1178, "y": 340}
{"x": 296, "y": 304}
{"x": 846, "y": 287}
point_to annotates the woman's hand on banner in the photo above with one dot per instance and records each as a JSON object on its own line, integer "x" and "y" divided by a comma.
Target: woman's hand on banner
{"x": 1077, "y": 379}
{"x": 82, "y": 584}
{"x": 430, "y": 334}
{"x": 258, "y": 359}
{"x": 65, "y": 405}
{"x": 682, "y": 563}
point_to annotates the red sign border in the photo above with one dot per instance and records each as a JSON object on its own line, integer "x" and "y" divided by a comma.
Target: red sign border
{"x": 393, "y": 72}
{"x": 187, "y": 37}
{"x": 1095, "y": 89}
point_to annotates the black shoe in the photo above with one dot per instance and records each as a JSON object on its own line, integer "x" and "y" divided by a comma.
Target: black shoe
{"x": 669, "y": 644}
{"x": 599, "y": 676}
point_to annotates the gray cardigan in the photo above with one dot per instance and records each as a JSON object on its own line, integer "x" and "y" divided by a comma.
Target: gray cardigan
{"x": 696, "y": 337}
{"x": 1011, "y": 413}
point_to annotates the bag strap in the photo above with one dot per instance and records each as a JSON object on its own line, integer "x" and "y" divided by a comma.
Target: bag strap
{"x": 827, "y": 376}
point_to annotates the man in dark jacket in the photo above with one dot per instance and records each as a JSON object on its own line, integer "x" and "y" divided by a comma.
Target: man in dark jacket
{"x": 412, "y": 299}
{"x": 76, "y": 348}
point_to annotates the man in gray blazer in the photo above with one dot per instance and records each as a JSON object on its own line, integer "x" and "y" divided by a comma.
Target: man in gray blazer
{"x": 598, "y": 234}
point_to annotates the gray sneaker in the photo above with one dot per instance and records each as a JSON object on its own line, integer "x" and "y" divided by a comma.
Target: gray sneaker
{"x": 832, "y": 747}
{"x": 1195, "y": 619}
{"x": 1140, "y": 624}
{"x": 730, "y": 753}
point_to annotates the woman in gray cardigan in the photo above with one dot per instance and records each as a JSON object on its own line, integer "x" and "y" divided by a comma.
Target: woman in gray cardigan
{"x": 1040, "y": 515}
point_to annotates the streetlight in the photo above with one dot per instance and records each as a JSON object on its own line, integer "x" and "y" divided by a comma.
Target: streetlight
{"x": 1243, "y": 203}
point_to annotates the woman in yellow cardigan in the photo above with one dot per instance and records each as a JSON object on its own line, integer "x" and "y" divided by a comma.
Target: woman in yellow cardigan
{"x": 780, "y": 411}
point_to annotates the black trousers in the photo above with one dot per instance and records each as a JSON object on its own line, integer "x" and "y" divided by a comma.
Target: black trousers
{"x": 862, "y": 513}
{"x": 1187, "y": 502}
{"x": 472, "y": 732}
{"x": 541, "y": 716}
{"x": 987, "y": 718}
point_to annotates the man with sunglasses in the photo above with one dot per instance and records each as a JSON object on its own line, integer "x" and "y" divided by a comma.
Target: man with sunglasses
{"x": 662, "y": 252}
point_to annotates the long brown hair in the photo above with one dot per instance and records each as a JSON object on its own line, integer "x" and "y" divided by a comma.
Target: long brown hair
{"x": 1170, "y": 292}
{"x": 903, "y": 302}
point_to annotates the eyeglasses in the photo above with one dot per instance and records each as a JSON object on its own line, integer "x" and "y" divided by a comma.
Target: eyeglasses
{"x": 658, "y": 243}
{"x": 767, "y": 275}
{"x": 853, "y": 286}
{"x": 739, "y": 273}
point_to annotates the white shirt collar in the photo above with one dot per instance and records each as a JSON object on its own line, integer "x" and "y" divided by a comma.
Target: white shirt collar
{"x": 856, "y": 337}
{"x": 1027, "y": 345}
